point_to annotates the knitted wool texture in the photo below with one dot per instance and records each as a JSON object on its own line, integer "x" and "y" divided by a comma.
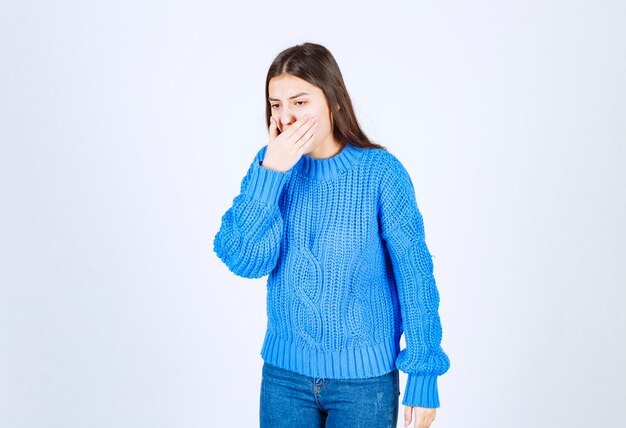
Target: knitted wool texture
{"x": 342, "y": 240}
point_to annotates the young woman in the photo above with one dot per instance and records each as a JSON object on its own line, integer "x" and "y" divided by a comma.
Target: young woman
{"x": 332, "y": 218}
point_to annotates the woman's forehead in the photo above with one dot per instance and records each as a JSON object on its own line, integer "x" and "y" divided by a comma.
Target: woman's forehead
{"x": 290, "y": 86}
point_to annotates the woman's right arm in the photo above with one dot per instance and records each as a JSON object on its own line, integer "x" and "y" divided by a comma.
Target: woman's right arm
{"x": 248, "y": 240}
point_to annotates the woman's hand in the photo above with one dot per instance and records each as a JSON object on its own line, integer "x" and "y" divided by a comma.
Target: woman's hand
{"x": 424, "y": 416}
{"x": 285, "y": 149}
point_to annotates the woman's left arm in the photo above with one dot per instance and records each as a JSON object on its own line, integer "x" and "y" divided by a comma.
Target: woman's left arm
{"x": 402, "y": 229}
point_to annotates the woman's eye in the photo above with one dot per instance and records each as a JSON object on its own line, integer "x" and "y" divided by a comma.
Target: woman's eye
{"x": 297, "y": 102}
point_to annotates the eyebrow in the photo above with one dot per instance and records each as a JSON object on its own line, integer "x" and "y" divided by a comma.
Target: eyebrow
{"x": 295, "y": 96}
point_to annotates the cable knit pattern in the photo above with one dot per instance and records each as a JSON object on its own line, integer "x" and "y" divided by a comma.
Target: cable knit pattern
{"x": 342, "y": 240}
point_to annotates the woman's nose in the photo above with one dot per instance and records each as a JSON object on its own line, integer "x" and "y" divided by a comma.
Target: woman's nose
{"x": 287, "y": 119}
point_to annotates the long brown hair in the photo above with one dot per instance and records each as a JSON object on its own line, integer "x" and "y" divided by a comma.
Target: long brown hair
{"x": 315, "y": 64}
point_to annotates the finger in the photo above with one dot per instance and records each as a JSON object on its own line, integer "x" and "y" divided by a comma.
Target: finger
{"x": 297, "y": 130}
{"x": 408, "y": 415}
{"x": 288, "y": 131}
{"x": 308, "y": 135}
{"x": 273, "y": 129}
{"x": 304, "y": 133}
{"x": 307, "y": 142}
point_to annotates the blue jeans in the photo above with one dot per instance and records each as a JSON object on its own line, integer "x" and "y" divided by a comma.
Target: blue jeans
{"x": 289, "y": 399}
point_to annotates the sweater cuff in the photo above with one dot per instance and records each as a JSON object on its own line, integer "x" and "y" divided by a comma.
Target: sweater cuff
{"x": 266, "y": 184}
{"x": 422, "y": 391}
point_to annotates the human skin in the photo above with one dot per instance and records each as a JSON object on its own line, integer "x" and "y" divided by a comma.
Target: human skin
{"x": 424, "y": 416}
{"x": 291, "y": 133}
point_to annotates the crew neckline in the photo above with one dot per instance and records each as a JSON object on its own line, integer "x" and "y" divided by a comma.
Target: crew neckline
{"x": 328, "y": 168}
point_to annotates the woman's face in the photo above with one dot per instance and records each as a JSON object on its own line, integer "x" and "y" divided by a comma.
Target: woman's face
{"x": 291, "y": 97}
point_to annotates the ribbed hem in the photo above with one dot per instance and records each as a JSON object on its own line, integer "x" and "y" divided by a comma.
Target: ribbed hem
{"x": 349, "y": 363}
{"x": 266, "y": 184}
{"x": 421, "y": 390}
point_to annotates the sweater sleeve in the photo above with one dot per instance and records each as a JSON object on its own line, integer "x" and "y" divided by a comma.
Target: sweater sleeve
{"x": 248, "y": 240}
{"x": 402, "y": 228}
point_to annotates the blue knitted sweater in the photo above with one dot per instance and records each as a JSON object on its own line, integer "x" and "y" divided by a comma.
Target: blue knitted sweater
{"x": 342, "y": 240}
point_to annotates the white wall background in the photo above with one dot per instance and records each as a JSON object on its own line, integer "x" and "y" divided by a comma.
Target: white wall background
{"x": 126, "y": 127}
